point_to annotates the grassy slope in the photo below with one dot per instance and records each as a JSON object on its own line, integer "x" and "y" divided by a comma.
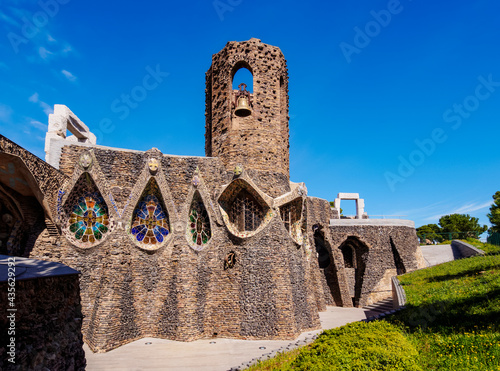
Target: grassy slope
{"x": 451, "y": 322}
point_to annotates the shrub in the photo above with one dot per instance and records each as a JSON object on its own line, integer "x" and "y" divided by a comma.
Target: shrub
{"x": 359, "y": 346}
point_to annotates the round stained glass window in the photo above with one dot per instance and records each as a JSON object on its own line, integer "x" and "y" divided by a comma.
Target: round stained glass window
{"x": 150, "y": 224}
{"x": 89, "y": 220}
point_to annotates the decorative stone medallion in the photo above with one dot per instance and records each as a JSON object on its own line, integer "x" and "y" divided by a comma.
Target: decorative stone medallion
{"x": 196, "y": 180}
{"x": 238, "y": 170}
{"x": 85, "y": 160}
{"x": 153, "y": 165}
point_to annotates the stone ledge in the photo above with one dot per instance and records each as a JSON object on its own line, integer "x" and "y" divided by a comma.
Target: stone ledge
{"x": 398, "y": 293}
{"x": 466, "y": 250}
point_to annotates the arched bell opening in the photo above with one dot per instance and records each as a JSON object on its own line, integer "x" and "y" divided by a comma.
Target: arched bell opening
{"x": 150, "y": 226}
{"x": 242, "y": 81}
{"x": 86, "y": 218}
{"x": 355, "y": 254}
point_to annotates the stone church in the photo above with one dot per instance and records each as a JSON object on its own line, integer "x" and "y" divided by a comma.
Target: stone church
{"x": 183, "y": 248}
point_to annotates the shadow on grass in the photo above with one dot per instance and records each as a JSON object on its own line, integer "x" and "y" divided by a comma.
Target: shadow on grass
{"x": 467, "y": 273}
{"x": 453, "y": 315}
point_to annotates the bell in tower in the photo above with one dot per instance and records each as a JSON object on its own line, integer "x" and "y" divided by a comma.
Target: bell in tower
{"x": 242, "y": 102}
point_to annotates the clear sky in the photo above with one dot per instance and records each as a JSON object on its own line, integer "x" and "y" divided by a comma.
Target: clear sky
{"x": 398, "y": 101}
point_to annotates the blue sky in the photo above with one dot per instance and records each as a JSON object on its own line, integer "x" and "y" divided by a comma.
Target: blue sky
{"x": 395, "y": 100}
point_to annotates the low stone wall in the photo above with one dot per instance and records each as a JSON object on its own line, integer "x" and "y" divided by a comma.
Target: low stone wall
{"x": 41, "y": 316}
{"x": 398, "y": 294}
{"x": 465, "y": 250}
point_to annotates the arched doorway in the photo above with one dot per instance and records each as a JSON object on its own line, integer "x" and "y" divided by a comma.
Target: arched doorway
{"x": 355, "y": 254}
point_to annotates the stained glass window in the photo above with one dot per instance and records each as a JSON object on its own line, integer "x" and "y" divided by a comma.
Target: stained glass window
{"x": 89, "y": 220}
{"x": 150, "y": 222}
{"x": 199, "y": 223}
{"x": 246, "y": 213}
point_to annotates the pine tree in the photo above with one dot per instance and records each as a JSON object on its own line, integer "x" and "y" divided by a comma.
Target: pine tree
{"x": 494, "y": 215}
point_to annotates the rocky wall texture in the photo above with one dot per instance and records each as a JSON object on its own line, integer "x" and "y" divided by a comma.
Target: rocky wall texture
{"x": 331, "y": 279}
{"x": 177, "y": 289}
{"x": 379, "y": 252}
{"x": 48, "y": 324}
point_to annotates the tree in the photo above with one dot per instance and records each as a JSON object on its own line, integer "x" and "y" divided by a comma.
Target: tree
{"x": 430, "y": 232}
{"x": 332, "y": 204}
{"x": 494, "y": 215}
{"x": 463, "y": 225}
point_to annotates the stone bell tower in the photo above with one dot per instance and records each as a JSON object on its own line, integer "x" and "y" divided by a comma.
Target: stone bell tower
{"x": 250, "y": 129}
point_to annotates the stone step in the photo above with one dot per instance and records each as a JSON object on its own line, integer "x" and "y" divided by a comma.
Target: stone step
{"x": 381, "y": 306}
{"x": 51, "y": 228}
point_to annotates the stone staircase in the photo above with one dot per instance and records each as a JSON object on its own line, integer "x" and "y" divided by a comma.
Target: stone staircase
{"x": 51, "y": 228}
{"x": 380, "y": 307}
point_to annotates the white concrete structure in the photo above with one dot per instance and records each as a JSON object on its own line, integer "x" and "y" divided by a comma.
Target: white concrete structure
{"x": 360, "y": 203}
{"x": 60, "y": 122}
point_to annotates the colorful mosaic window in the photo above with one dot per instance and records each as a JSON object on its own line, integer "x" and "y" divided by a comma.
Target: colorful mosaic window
{"x": 150, "y": 223}
{"x": 89, "y": 219}
{"x": 199, "y": 223}
{"x": 246, "y": 213}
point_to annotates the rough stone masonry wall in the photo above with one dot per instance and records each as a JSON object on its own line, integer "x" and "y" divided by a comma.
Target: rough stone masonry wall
{"x": 176, "y": 292}
{"x": 381, "y": 260}
{"x": 48, "y": 325}
{"x": 261, "y": 140}
{"x": 331, "y": 282}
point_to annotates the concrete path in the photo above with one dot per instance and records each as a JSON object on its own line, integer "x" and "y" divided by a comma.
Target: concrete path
{"x": 206, "y": 355}
{"x": 437, "y": 254}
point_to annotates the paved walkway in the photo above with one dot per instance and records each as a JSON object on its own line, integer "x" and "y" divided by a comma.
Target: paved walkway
{"x": 206, "y": 355}
{"x": 437, "y": 254}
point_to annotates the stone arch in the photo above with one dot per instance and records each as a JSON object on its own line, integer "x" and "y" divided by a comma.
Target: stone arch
{"x": 242, "y": 64}
{"x": 19, "y": 177}
{"x": 355, "y": 254}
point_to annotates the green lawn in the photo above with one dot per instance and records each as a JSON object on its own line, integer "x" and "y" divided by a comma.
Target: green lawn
{"x": 451, "y": 322}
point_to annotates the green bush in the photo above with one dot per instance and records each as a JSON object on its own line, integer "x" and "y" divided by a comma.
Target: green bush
{"x": 359, "y": 346}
